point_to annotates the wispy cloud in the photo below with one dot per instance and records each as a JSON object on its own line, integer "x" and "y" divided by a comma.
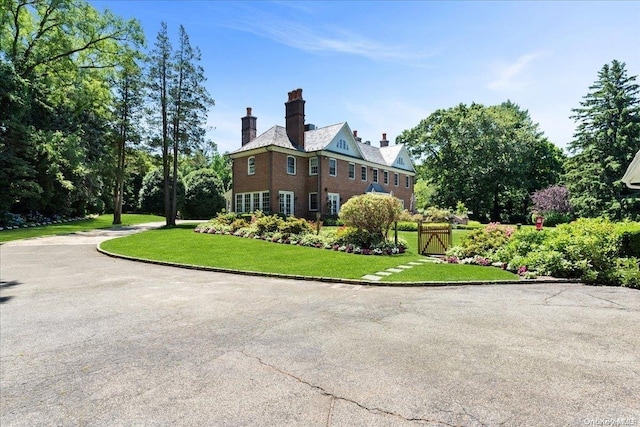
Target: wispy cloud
{"x": 513, "y": 75}
{"x": 312, "y": 38}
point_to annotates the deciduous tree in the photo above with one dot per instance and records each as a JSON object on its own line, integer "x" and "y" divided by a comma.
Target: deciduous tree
{"x": 489, "y": 158}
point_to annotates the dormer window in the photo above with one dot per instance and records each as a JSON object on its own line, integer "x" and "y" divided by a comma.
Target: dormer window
{"x": 251, "y": 165}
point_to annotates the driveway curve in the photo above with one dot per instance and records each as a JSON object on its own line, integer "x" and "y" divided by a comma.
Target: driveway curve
{"x": 86, "y": 339}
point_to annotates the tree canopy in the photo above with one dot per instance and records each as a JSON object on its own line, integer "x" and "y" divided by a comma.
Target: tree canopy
{"x": 56, "y": 57}
{"x": 607, "y": 138}
{"x": 490, "y": 158}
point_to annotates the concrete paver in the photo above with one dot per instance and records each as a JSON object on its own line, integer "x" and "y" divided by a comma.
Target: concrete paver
{"x": 90, "y": 340}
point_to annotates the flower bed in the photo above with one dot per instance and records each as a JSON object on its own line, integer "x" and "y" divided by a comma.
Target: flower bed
{"x": 593, "y": 250}
{"x": 298, "y": 231}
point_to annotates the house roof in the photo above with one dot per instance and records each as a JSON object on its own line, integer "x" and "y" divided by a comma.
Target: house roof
{"x": 276, "y": 135}
{"x": 320, "y": 139}
{"x": 632, "y": 175}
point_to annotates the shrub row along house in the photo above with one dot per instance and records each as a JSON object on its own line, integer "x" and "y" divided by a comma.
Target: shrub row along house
{"x": 304, "y": 171}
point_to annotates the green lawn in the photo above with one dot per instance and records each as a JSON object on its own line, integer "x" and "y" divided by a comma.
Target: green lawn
{"x": 182, "y": 245}
{"x": 102, "y": 221}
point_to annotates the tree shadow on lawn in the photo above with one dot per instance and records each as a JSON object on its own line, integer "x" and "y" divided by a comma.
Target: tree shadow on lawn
{"x": 7, "y": 284}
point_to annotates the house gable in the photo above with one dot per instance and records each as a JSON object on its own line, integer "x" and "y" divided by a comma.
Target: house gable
{"x": 398, "y": 157}
{"x": 343, "y": 142}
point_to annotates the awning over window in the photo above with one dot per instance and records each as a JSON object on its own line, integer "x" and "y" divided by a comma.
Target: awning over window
{"x": 632, "y": 176}
{"x": 375, "y": 188}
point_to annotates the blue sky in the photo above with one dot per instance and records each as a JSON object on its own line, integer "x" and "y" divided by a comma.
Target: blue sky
{"x": 384, "y": 66}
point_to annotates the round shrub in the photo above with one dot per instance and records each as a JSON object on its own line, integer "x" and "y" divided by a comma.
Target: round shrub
{"x": 204, "y": 196}
{"x": 151, "y": 198}
{"x": 373, "y": 213}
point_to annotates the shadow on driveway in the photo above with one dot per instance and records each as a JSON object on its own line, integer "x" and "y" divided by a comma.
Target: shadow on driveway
{"x": 4, "y": 284}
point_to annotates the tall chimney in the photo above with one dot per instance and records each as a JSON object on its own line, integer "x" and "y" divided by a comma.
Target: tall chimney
{"x": 356, "y": 137}
{"x": 294, "y": 116}
{"x": 249, "y": 127}
{"x": 384, "y": 142}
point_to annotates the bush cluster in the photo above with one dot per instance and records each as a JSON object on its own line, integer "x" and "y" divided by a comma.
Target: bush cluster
{"x": 11, "y": 221}
{"x": 596, "y": 251}
{"x": 298, "y": 231}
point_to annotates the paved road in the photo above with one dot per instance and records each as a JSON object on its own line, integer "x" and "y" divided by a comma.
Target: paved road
{"x": 90, "y": 340}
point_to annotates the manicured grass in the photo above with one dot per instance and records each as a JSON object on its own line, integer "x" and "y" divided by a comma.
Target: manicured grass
{"x": 182, "y": 245}
{"x": 102, "y": 221}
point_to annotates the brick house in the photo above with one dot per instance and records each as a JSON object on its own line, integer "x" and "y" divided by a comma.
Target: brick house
{"x": 302, "y": 170}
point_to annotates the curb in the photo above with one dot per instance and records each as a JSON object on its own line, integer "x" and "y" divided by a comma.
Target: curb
{"x": 336, "y": 280}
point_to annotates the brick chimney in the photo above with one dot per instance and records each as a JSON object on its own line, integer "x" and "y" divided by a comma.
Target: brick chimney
{"x": 249, "y": 127}
{"x": 294, "y": 116}
{"x": 384, "y": 142}
{"x": 356, "y": 137}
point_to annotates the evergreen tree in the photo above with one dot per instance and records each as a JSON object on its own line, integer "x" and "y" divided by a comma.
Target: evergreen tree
{"x": 176, "y": 86}
{"x": 607, "y": 138}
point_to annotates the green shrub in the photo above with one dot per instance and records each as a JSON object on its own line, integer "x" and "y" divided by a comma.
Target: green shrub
{"x": 293, "y": 225}
{"x": 358, "y": 237}
{"x": 151, "y": 198}
{"x": 521, "y": 243}
{"x": 407, "y": 226}
{"x": 629, "y": 239}
{"x": 269, "y": 224}
{"x": 435, "y": 214}
{"x": 627, "y": 272}
{"x": 593, "y": 240}
{"x": 551, "y": 219}
{"x": 373, "y": 213}
{"x": 204, "y": 195}
{"x": 485, "y": 241}
{"x": 238, "y": 224}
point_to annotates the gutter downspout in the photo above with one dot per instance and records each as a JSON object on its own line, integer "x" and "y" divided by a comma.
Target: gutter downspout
{"x": 271, "y": 196}
{"x": 319, "y": 184}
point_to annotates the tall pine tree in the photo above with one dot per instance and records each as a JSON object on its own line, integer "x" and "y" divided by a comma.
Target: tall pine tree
{"x": 606, "y": 140}
{"x": 179, "y": 103}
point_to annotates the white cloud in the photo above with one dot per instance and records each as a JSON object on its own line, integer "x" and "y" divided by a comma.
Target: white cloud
{"x": 513, "y": 76}
{"x": 309, "y": 38}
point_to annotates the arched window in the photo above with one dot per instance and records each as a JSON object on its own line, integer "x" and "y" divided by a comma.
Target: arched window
{"x": 291, "y": 165}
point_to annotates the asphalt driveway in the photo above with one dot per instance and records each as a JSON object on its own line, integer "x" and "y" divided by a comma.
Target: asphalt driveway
{"x": 90, "y": 340}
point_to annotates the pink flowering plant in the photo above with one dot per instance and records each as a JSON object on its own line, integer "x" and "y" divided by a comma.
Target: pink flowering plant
{"x": 368, "y": 239}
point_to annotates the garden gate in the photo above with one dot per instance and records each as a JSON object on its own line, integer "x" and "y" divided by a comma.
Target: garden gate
{"x": 433, "y": 239}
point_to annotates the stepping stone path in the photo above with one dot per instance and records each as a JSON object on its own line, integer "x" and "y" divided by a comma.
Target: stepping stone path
{"x": 389, "y": 271}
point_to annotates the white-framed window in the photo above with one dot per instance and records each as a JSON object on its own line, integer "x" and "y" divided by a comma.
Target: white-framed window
{"x": 385, "y": 176}
{"x": 400, "y": 161}
{"x": 333, "y": 203}
{"x": 352, "y": 171}
{"x": 375, "y": 176}
{"x": 251, "y": 202}
{"x": 333, "y": 167}
{"x": 313, "y": 166}
{"x": 251, "y": 165}
{"x": 396, "y": 179}
{"x": 363, "y": 173}
{"x": 286, "y": 202}
{"x": 291, "y": 165}
{"x": 313, "y": 201}
{"x": 407, "y": 181}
